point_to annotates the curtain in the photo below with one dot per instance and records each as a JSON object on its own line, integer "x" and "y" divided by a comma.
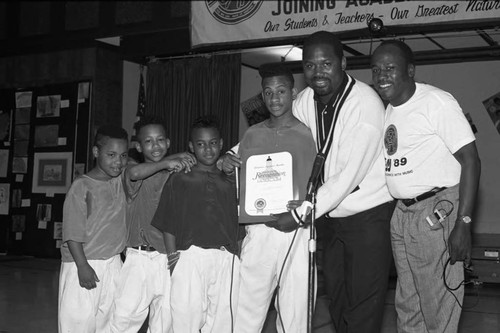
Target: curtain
{"x": 180, "y": 90}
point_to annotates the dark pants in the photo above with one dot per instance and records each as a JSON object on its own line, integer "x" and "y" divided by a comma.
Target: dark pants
{"x": 357, "y": 258}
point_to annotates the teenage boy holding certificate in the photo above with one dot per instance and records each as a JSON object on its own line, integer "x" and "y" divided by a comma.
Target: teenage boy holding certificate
{"x": 277, "y": 156}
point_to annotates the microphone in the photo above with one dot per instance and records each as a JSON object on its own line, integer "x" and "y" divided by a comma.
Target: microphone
{"x": 314, "y": 178}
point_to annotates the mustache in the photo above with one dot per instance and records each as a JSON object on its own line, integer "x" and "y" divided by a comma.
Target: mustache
{"x": 320, "y": 77}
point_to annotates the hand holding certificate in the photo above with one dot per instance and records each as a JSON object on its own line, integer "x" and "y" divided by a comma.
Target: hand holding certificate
{"x": 269, "y": 184}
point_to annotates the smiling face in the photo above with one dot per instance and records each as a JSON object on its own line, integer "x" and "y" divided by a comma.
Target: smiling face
{"x": 206, "y": 145}
{"x": 111, "y": 158}
{"x": 323, "y": 69}
{"x": 153, "y": 143}
{"x": 278, "y": 95}
{"x": 392, "y": 75}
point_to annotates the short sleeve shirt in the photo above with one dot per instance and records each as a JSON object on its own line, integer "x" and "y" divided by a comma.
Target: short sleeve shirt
{"x": 420, "y": 139}
{"x": 94, "y": 215}
{"x": 199, "y": 208}
{"x": 143, "y": 197}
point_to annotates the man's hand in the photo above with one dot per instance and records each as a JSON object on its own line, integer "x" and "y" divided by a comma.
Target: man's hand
{"x": 230, "y": 162}
{"x": 293, "y": 204}
{"x": 87, "y": 277}
{"x": 459, "y": 243}
{"x": 283, "y": 222}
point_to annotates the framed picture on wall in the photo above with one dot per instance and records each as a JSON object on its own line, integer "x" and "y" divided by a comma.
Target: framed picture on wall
{"x": 4, "y": 160}
{"x": 52, "y": 172}
{"x": 4, "y": 199}
{"x": 46, "y": 135}
{"x": 5, "y": 125}
{"x": 48, "y": 106}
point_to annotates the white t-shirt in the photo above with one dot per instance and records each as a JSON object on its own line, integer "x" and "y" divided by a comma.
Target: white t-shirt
{"x": 420, "y": 139}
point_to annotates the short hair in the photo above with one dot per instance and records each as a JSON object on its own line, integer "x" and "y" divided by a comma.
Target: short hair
{"x": 403, "y": 47}
{"x": 148, "y": 120}
{"x": 206, "y": 121}
{"x": 276, "y": 69}
{"x": 325, "y": 37}
{"x": 109, "y": 131}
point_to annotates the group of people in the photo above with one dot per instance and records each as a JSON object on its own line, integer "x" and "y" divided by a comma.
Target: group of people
{"x": 398, "y": 182}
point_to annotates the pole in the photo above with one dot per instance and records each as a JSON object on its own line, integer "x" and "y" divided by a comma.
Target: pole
{"x": 312, "y": 266}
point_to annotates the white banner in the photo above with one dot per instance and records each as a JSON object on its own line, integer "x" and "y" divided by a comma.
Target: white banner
{"x": 219, "y": 22}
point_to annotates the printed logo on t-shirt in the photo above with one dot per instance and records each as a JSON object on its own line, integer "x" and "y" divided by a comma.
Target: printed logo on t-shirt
{"x": 391, "y": 140}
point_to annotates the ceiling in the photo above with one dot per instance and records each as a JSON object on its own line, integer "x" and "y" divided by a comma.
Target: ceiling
{"x": 448, "y": 46}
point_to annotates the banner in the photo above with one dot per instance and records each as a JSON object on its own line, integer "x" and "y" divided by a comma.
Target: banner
{"x": 219, "y": 22}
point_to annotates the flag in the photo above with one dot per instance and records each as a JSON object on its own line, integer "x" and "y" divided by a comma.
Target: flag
{"x": 141, "y": 105}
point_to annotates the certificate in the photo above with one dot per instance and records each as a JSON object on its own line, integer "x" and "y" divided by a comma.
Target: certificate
{"x": 269, "y": 183}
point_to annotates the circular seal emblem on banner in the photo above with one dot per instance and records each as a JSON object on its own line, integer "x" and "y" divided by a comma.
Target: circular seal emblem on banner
{"x": 391, "y": 140}
{"x": 260, "y": 204}
{"x": 232, "y": 11}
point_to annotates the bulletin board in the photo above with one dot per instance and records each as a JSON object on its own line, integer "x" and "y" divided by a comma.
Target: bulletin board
{"x": 44, "y": 145}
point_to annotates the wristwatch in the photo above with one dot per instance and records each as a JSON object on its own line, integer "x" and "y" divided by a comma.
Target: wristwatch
{"x": 465, "y": 219}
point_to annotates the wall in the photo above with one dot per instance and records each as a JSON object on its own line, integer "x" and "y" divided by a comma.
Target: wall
{"x": 470, "y": 83}
{"x": 99, "y": 64}
{"x": 131, "y": 77}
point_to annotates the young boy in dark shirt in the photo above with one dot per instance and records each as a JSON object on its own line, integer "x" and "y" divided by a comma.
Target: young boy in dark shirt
{"x": 198, "y": 215}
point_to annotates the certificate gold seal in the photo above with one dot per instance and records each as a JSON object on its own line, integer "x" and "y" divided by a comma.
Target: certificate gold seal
{"x": 260, "y": 204}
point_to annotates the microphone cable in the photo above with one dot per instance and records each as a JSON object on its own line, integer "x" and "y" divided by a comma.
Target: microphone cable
{"x": 236, "y": 242}
{"x": 446, "y": 214}
{"x": 311, "y": 187}
{"x": 278, "y": 310}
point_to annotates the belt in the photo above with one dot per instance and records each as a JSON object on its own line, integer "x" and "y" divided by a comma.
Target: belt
{"x": 144, "y": 248}
{"x": 423, "y": 196}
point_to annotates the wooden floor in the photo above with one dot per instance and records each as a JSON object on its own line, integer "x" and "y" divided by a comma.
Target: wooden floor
{"x": 28, "y": 302}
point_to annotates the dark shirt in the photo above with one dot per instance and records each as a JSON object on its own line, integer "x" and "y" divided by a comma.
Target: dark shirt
{"x": 326, "y": 112}
{"x": 199, "y": 208}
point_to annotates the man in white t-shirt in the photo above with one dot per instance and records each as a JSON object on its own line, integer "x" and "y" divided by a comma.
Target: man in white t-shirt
{"x": 432, "y": 166}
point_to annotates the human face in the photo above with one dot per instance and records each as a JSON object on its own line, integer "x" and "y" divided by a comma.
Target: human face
{"x": 392, "y": 76}
{"x": 206, "y": 145}
{"x": 111, "y": 158}
{"x": 153, "y": 143}
{"x": 278, "y": 95}
{"x": 323, "y": 70}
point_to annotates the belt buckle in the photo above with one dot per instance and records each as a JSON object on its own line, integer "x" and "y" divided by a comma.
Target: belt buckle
{"x": 409, "y": 202}
{"x": 147, "y": 248}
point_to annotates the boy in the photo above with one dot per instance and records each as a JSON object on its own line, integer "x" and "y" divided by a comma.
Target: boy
{"x": 94, "y": 235}
{"x": 264, "y": 249}
{"x": 198, "y": 216}
{"x": 144, "y": 283}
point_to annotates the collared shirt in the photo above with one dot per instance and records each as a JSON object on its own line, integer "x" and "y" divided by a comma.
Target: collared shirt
{"x": 199, "y": 208}
{"x": 355, "y": 156}
{"x": 326, "y": 113}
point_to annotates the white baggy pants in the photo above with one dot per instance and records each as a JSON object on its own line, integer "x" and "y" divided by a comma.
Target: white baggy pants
{"x": 263, "y": 253}
{"x": 143, "y": 286}
{"x": 204, "y": 291}
{"x": 82, "y": 310}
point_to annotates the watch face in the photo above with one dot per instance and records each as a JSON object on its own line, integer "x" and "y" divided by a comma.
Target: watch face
{"x": 466, "y": 219}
